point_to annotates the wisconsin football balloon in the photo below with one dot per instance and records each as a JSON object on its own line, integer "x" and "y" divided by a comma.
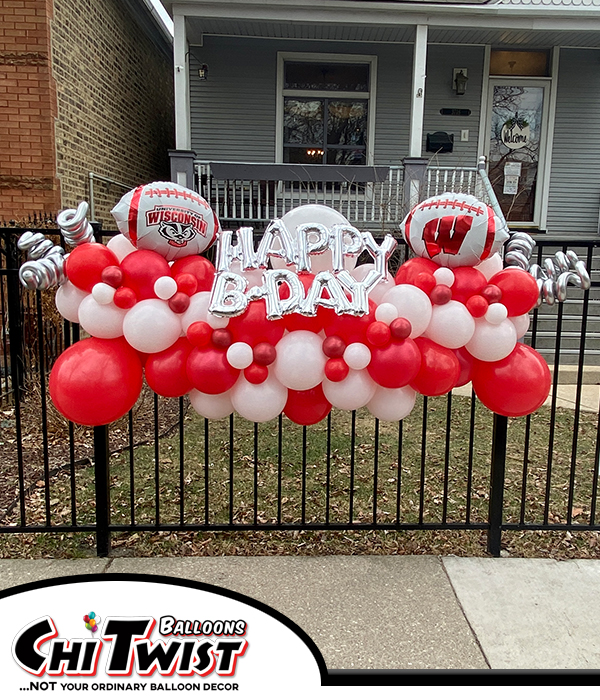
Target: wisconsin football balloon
{"x": 168, "y": 219}
{"x": 454, "y": 230}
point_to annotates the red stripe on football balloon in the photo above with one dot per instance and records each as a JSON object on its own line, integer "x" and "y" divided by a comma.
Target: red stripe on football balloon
{"x": 491, "y": 234}
{"x": 133, "y": 213}
{"x": 407, "y": 228}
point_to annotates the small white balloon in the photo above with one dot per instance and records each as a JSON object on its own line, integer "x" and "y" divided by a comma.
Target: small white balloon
{"x": 101, "y": 320}
{"x": 198, "y": 311}
{"x": 392, "y": 404}
{"x": 165, "y": 287}
{"x": 240, "y": 355}
{"x": 259, "y": 402}
{"x": 150, "y": 326}
{"x": 444, "y": 275}
{"x": 68, "y": 299}
{"x": 353, "y": 392}
{"x": 451, "y": 325}
{"x": 491, "y": 266}
{"x": 103, "y": 293}
{"x": 492, "y": 343}
{"x": 357, "y": 356}
{"x": 496, "y": 313}
{"x": 300, "y": 362}
{"x": 120, "y": 246}
{"x": 212, "y": 406}
{"x": 521, "y": 324}
{"x": 413, "y": 304}
{"x": 386, "y": 313}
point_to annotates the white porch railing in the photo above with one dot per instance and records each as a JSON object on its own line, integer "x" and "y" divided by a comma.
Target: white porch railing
{"x": 448, "y": 179}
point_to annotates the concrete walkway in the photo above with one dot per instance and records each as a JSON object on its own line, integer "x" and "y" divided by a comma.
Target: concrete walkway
{"x": 400, "y": 612}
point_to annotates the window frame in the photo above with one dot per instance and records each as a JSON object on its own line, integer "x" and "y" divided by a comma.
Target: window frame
{"x": 370, "y": 95}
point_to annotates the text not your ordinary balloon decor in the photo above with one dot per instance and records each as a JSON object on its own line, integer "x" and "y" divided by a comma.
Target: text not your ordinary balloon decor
{"x": 293, "y": 324}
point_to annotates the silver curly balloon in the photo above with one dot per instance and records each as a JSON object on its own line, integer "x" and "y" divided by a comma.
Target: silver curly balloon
{"x": 74, "y": 225}
{"x": 45, "y": 265}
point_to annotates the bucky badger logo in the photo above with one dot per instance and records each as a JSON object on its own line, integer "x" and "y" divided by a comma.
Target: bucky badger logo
{"x": 177, "y": 225}
{"x": 178, "y": 235}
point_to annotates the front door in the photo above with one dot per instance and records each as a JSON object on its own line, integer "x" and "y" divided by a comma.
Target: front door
{"x": 517, "y": 138}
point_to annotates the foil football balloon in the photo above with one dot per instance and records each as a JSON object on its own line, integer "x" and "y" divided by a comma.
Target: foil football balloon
{"x": 454, "y": 230}
{"x": 167, "y": 218}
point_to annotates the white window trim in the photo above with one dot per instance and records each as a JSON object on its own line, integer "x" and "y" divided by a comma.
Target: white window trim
{"x": 283, "y": 56}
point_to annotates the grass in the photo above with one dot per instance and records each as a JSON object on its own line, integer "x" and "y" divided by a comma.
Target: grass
{"x": 442, "y": 478}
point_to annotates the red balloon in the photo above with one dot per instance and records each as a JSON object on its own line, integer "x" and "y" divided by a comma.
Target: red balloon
{"x": 198, "y": 266}
{"x": 396, "y": 364}
{"x": 351, "y": 329}
{"x": 467, "y": 282}
{"x": 124, "y": 298}
{"x": 179, "y": 302}
{"x": 264, "y": 354}
{"x": 307, "y": 407}
{"x": 209, "y": 371}
{"x": 221, "y": 338}
{"x": 96, "y": 381}
{"x": 112, "y": 275}
{"x": 440, "y": 369}
{"x": 256, "y": 374}
{"x": 465, "y": 360}
{"x": 378, "y": 334}
{"x": 440, "y": 294}
{"x": 334, "y": 346}
{"x": 400, "y": 328}
{"x": 141, "y": 269}
{"x": 411, "y": 269}
{"x": 492, "y": 294}
{"x": 425, "y": 281}
{"x": 298, "y": 322}
{"x": 186, "y": 283}
{"x": 85, "y": 264}
{"x": 515, "y": 386}
{"x": 519, "y": 290}
{"x": 166, "y": 372}
{"x": 199, "y": 333}
{"x": 477, "y": 306}
{"x": 336, "y": 369}
{"x": 252, "y": 326}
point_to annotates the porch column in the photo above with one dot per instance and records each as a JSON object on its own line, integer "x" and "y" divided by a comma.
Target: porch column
{"x": 182, "y": 93}
{"x": 418, "y": 92}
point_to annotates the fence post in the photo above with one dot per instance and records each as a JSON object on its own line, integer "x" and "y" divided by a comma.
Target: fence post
{"x": 102, "y": 476}
{"x": 15, "y": 320}
{"x": 497, "y": 483}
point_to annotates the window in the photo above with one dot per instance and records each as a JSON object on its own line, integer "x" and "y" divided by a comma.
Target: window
{"x": 326, "y": 104}
{"x": 519, "y": 63}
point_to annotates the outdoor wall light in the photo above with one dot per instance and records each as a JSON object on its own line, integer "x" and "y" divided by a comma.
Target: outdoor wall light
{"x": 459, "y": 80}
{"x": 203, "y": 72}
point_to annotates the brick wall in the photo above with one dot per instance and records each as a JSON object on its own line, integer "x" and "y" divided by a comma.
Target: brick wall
{"x": 28, "y": 180}
{"x": 82, "y": 89}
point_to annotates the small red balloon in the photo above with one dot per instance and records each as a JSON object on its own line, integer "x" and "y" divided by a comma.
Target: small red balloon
{"x": 400, "y": 328}
{"x": 333, "y": 346}
{"x": 199, "y": 333}
{"x": 85, "y": 264}
{"x": 519, "y": 290}
{"x": 467, "y": 282}
{"x": 179, "y": 302}
{"x": 396, "y": 364}
{"x": 256, "y": 374}
{"x": 307, "y": 407}
{"x": 141, "y": 269}
{"x": 264, "y": 354}
{"x": 198, "y": 266}
{"x": 477, "y": 306}
{"x": 440, "y": 294}
{"x": 439, "y": 371}
{"x": 112, "y": 275}
{"x": 336, "y": 369}
{"x": 252, "y": 326}
{"x": 166, "y": 372}
{"x": 186, "y": 283}
{"x": 425, "y": 281}
{"x": 209, "y": 371}
{"x": 125, "y": 298}
{"x": 378, "y": 334}
{"x": 221, "y": 338}
{"x": 492, "y": 294}
{"x": 408, "y": 271}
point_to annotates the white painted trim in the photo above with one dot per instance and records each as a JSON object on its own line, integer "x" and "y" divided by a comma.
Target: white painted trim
{"x": 181, "y": 81}
{"x": 417, "y": 103}
{"x": 482, "y": 143}
{"x": 550, "y": 139}
{"x": 283, "y": 56}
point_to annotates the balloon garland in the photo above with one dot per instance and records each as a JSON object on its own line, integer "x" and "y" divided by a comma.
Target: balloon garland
{"x": 293, "y": 325}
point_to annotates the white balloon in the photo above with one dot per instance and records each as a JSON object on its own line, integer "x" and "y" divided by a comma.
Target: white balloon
{"x": 357, "y": 356}
{"x": 492, "y": 343}
{"x": 413, "y": 304}
{"x": 259, "y": 402}
{"x": 521, "y": 324}
{"x": 386, "y": 313}
{"x": 101, "y": 320}
{"x": 451, "y": 325}
{"x": 491, "y": 266}
{"x": 213, "y": 406}
{"x": 198, "y": 311}
{"x": 444, "y": 275}
{"x": 103, "y": 293}
{"x": 68, "y": 299}
{"x": 496, "y": 313}
{"x": 381, "y": 289}
{"x": 150, "y": 326}
{"x": 392, "y": 404}
{"x": 240, "y": 355}
{"x": 300, "y": 362}
{"x": 353, "y": 392}
{"x": 165, "y": 287}
{"x": 120, "y": 246}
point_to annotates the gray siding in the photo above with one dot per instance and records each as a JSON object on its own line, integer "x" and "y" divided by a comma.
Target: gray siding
{"x": 575, "y": 176}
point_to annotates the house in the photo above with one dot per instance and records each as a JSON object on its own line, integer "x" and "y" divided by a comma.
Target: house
{"x": 86, "y": 104}
{"x": 370, "y": 105}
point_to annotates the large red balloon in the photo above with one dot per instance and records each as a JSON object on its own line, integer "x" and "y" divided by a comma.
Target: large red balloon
{"x": 96, "y": 381}
{"x": 209, "y": 371}
{"x": 519, "y": 290}
{"x": 307, "y": 407}
{"x": 85, "y": 264}
{"x": 440, "y": 369}
{"x": 515, "y": 386}
{"x": 252, "y": 326}
{"x": 298, "y": 322}
{"x": 408, "y": 271}
{"x": 465, "y": 360}
{"x": 467, "y": 282}
{"x": 166, "y": 371}
{"x": 396, "y": 364}
{"x": 351, "y": 329}
{"x": 198, "y": 266}
{"x": 141, "y": 269}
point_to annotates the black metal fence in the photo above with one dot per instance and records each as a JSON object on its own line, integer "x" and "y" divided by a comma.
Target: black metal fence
{"x": 450, "y": 465}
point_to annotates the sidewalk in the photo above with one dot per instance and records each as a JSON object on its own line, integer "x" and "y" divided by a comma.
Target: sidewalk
{"x": 399, "y": 612}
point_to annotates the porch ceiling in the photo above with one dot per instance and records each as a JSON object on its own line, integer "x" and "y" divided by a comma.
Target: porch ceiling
{"x": 388, "y": 33}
